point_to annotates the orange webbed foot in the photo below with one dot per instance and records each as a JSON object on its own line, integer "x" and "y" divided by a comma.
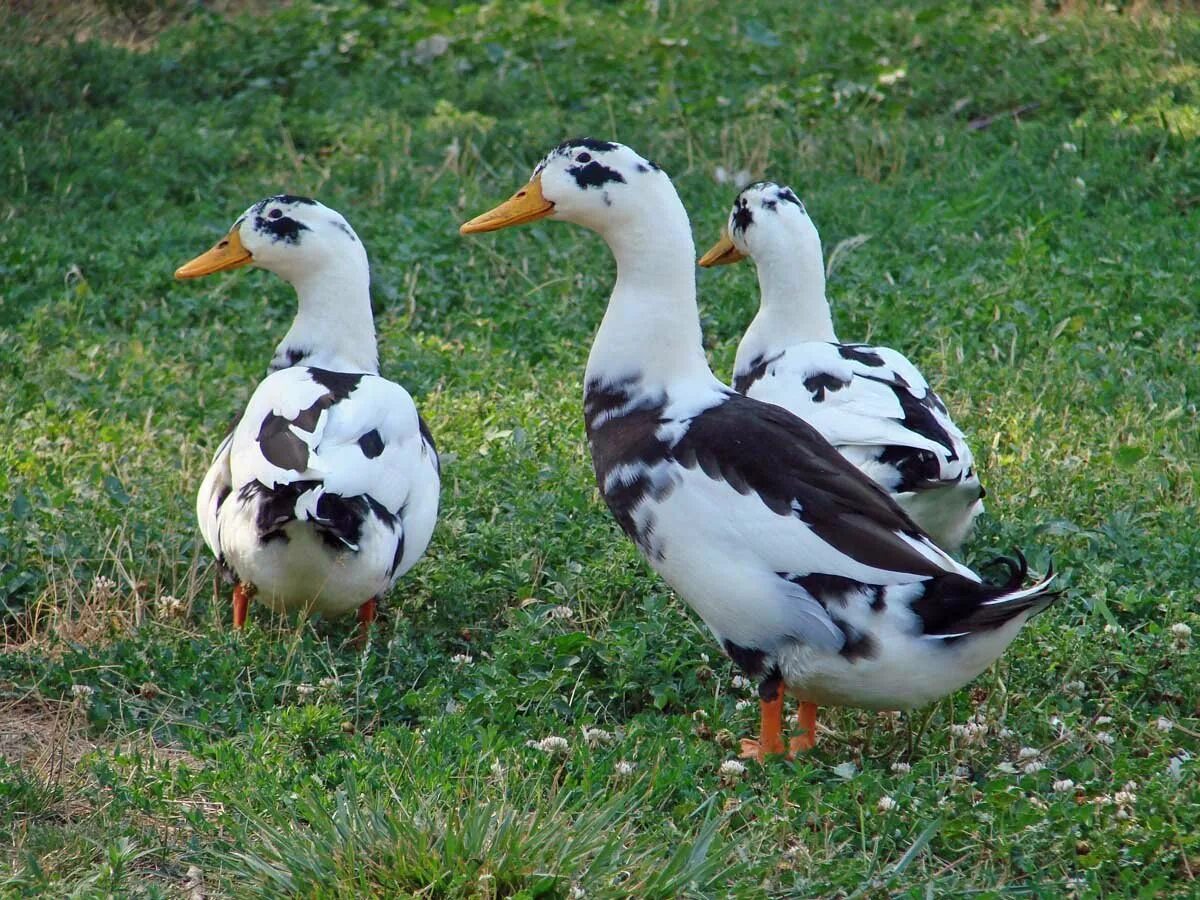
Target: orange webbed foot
{"x": 366, "y": 615}
{"x": 806, "y": 719}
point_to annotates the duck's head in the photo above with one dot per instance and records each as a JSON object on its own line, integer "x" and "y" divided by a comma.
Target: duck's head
{"x": 767, "y": 221}
{"x": 288, "y": 235}
{"x": 597, "y": 184}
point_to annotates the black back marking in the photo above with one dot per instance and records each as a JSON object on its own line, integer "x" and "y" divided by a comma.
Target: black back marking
{"x": 280, "y": 445}
{"x": 818, "y": 384}
{"x": 371, "y": 444}
{"x": 339, "y": 384}
{"x": 762, "y": 448}
{"x": 743, "y": 381}
{"x": 859, "y": 353}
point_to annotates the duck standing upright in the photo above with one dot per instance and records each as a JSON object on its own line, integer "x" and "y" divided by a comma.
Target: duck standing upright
{"x": 871, "y": 403}
{"x": 808, "y": 574}
{"x": 326, "y": 490}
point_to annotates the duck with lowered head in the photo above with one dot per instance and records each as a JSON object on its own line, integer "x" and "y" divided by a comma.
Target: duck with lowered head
{"x": 808, "y": 574}
{"x": 869, "y": 402}
{"x": 326, "y": 491}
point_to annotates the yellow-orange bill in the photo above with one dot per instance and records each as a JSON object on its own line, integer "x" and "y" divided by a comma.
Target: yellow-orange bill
{"x": 722, "y": 253}
{"x": 526, "y": 205}
{"x": 227, "y": 254}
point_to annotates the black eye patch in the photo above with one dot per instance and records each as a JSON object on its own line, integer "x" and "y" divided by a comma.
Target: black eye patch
{"x": 742, "y": 217}
{"x": 584, "y": 158}
{"x": 282, "y": 229}
{"x": 275, "y": 214}
{"x": 788, "y": 196}
{"x": 595, "y": 175}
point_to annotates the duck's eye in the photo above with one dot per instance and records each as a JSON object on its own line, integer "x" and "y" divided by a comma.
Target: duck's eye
{"x": 584, "y": 158}
{"x": 275, "y": 214}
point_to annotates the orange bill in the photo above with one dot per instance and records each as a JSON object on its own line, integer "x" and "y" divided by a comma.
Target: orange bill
{"x": 722, "y": 253}
{"x": 227, "y": 254}
{"x": 526, "y": 205}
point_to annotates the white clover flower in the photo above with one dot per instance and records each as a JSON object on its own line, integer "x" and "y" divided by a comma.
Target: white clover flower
{"x": 901, "y": 768}
{"x": 594, "y": 737}
{"x": 1033, "y": 767}
{"x": 731, "y": 769}
{"x": 1162, "y": 723}
{"x": 1005, "y": 733}
{"x": 1103, "y": 737}
{"x": 887, "y": 79}
{"x": 704, "y": 658}
{"x": 624, "y": 768}
{"x": 1006, "y": 767}
{"x": 103, "y": 585}
{"x": 1113, "y": 629}
{"x": 1181, "y": 634}
{"x": 1125, "y": 798}
{"x": 1080, "y": 183}
{"x": 1075, "y": 688}
{"x": 550, "y": 745}
{"x": 1068, "y": 147}
{"x": 743, "y": 704}
{"x": 1123, "y": 813}
{"x": 886, "y": 804}
{"x": 462, "y": 659}
{"x": 565, "y": 613}
{"x": 1103, "y": 720}
{"x": 1063, "y": 786}
{"x": 305, "y": 690}
{"x": 740, "y": 682}
{"x": 171, "y": 606}
{"x": 83, "y": 691}
{"x": 577, "y": 893}
{"x": 1130, "y": 786}
{"x": 1028, "y": 753}
{"x": 846, "y": 770}
{"x": 329, "y": 683}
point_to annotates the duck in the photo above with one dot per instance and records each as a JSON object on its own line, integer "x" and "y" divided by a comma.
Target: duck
{"x": 870, "y": 402}
{"x": 325, "y": 491}
{"x": 809, "y": 575}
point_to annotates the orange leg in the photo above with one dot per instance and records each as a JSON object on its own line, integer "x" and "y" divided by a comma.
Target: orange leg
{"x": 366, "y": 615}
{"x": 241, "y": 603}
{"x": 770, "y": 740}
{"x": 806, "y": 718}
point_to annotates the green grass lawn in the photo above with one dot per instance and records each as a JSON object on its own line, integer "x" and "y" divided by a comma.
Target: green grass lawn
{"x": 1041, "y": 268}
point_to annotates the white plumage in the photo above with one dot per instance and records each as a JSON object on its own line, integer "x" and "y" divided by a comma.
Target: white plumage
{"x": 805, "y": 570}
{"x": 326, "y": 491}
{"x": 870, "y": 402}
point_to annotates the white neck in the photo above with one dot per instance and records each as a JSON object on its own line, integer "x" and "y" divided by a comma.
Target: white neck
{"x": 792, "y": 305}
{"x": 333, "y": 328}
{"x": 651, "y": 328}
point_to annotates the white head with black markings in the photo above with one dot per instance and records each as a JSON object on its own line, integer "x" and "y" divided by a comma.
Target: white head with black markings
{"x": 767, "y": 222}
{"x": 600, "y": 185}
{"x": 770, "y": 225}
{"x": 313, "y": 248}
{"x": 285, "y": 234}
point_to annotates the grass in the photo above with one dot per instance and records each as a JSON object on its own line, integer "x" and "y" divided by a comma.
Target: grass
{"x": 1040, "y": 267}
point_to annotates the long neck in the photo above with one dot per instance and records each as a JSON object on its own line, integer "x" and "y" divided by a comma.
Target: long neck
{"x": 651, "y": 329}
{"x": 792, "y": 305}
{"x": 333, "y": 328}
